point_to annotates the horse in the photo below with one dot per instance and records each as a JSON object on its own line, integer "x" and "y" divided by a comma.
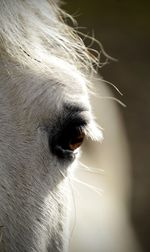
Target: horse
{"x": 46, "y": 81}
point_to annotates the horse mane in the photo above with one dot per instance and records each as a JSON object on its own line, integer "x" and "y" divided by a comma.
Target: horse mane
{"x": 32, "y": 31}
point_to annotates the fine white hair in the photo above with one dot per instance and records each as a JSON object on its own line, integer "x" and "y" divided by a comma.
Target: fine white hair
{"x": 45, "y": 74}
{"x": 46, "y": 78}
{"x": 32, "y": 31}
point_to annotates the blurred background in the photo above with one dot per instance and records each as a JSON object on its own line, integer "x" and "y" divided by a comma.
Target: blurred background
{"x": 123, "y": 28}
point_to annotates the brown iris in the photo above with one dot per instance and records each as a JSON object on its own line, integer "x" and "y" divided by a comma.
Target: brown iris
{"x": 70, "y": 138}
{"x": 76, "y": 141}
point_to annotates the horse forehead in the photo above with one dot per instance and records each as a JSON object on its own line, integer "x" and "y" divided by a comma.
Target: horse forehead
{"x": 67, "y": 87}
{"x": 72, "y": 79}
{"x": 61, "y": 81}
{"x": 73, "y": 85}
{"x": 51, "y": 88}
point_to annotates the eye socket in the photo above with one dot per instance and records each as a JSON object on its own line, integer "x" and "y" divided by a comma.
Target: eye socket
{"x": 72, "y": 139}
{"x": 66, "y": 142}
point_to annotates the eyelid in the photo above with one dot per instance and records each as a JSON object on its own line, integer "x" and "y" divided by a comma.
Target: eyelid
{"x": 76, "y": 120}
{"x": 88, "y": 125}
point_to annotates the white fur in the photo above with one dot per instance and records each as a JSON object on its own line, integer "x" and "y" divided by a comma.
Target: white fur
{"x": 43, "y": 64}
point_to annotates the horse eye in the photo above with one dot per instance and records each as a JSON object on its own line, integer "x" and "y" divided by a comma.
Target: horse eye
{"x": 66, "y": 142}
{"x": 75, "y": 139}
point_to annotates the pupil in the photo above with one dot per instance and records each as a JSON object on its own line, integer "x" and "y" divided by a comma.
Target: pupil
{"x": 76, "y": 141}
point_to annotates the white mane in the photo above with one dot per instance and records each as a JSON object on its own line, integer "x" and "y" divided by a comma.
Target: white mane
{"x": 31, "y": 31}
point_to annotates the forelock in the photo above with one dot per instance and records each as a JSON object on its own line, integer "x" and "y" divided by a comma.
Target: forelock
{"x": 32, "y": 31}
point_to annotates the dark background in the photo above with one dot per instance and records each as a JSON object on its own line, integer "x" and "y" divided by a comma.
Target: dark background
{"x": 123, "y": 27}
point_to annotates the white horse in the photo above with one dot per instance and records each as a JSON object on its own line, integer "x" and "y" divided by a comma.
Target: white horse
{"x": 45, "y": 80}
